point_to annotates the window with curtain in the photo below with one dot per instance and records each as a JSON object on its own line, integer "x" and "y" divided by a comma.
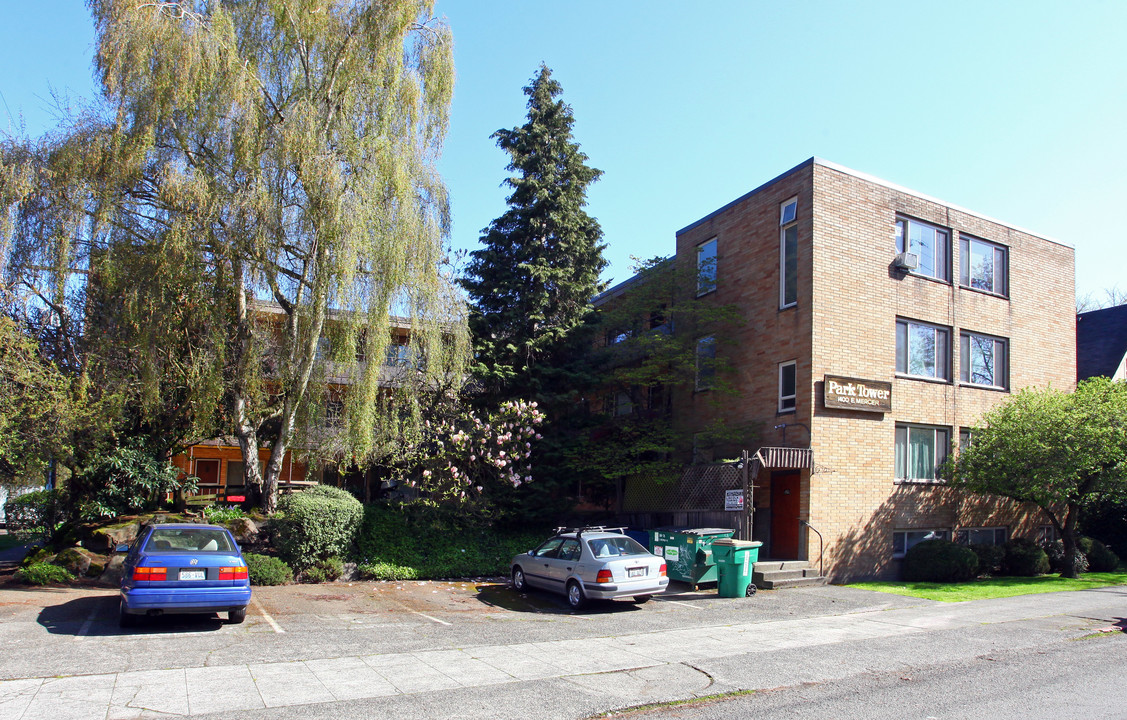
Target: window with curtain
{"x": 920, "y": 451}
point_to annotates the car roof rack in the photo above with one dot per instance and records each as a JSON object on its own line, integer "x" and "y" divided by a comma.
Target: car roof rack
{"x": 621, "y": 530}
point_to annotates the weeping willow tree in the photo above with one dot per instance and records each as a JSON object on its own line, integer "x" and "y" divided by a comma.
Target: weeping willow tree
{"x": 279, "y": 157}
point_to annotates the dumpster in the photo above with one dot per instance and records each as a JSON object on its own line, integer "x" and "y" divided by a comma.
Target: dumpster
{"x": 735, "y": 561}
{"x": 641, "y": 536}
{"x": 688, "y": 552}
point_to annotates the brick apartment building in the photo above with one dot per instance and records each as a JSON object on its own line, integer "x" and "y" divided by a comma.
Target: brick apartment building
{"x": 880, "y": 325}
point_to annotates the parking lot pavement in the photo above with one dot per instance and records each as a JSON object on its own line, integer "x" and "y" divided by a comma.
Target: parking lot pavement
{"x": 372, "y": 643}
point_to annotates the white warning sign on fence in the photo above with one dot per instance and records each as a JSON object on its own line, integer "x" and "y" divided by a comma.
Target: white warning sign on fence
{"x": 734, "y": 500}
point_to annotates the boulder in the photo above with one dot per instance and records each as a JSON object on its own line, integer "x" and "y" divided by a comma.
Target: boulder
{"x": 75, "y": 559}
{"x": 112, "y": 574}
{"x": 245, "y": 531}
{"x": 106, "y": 539}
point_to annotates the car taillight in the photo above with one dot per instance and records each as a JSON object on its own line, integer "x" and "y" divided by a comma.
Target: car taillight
{"x": 232, "y": 573}
{"x": 662, "y": 570}
{"x": 604, "y": 576}
{"x": 150, "y": 573}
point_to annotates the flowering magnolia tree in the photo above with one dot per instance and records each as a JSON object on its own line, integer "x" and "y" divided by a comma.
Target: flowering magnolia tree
{"x": 466, "y": 453}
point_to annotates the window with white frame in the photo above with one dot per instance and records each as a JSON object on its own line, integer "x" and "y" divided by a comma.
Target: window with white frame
{"x": 983, "y": 265}
{"x": 922, "y": 350}
{"x": 788, "y": 253}
{"x": 706, "y": 267}
{"x": 905, "y": 540}
{"x": 787, "y": 386}
{"x": 706, "y": 362}
{"x": 982, "y": 360}
{"x": 982, "y": 536}
{"x": 932, "y": 244}
{"x": 920, "y": 451}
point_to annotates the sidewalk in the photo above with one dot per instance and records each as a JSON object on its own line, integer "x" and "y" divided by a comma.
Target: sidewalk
{"x": 635, "y": 668}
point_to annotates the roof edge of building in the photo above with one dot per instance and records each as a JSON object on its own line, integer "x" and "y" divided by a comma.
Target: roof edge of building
{"x": 876, "y": 181}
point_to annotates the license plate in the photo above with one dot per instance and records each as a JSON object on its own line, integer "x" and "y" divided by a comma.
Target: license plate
{"x": 636, "y": 572}
{"x": 193, "y": 574}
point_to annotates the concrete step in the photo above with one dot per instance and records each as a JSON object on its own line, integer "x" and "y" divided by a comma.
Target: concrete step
{"x": 775, "y": 574}
{"x": 782, "y": 575}
{"x": 768, "y": 584}
{"x": 765, "y": 565}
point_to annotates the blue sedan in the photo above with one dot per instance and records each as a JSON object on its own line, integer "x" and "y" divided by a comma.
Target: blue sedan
{"x": 184, "y": 569}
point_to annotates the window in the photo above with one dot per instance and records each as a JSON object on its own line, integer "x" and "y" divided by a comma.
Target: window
{"x": 334, "y": 411}
{"x": 706, "y": 267}
{"x": 615, "y": 337}
{"x": 983, "y": 265}
{"x": 706, "y": 362}
{"x": 788, "y": 254}
{"x": 623, "y": 404}
{"x": 905, "y": 540}
{"x": 981, "y": 536}
{"x": 398, "y": 355}
{"x": 932, "y": 244}
{"x": 787, "y": 386}
{"x": 1046, "y": 534}
{"x": 920, "y": 450}
{"x": 922, "y": 350}
{"x": 982, "y": 360}
{"x": 965, "y": 438}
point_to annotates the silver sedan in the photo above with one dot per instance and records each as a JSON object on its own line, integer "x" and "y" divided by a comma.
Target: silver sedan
{"x": 591, "y": 564}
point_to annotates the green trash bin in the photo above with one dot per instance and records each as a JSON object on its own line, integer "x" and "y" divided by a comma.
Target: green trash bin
{"x": 688, "y": 552}
{"x": 735, "y": 562}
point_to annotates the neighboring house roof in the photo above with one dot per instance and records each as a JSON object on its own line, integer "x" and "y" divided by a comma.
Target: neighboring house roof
{"x": 1101, "y": 342}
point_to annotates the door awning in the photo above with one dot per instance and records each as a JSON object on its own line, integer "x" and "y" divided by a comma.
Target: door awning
{"x": 785, "y": 458}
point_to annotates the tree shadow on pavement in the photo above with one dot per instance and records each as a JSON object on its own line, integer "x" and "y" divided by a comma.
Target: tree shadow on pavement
{"x": 98, "y": 617}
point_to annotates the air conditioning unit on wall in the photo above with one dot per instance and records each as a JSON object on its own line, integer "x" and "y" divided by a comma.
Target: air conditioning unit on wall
{"x": 906, "y": 261}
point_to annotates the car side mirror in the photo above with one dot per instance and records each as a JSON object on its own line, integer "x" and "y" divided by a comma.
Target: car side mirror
{"x": 123, "y": 547}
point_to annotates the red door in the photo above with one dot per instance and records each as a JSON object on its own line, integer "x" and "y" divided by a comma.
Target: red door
{"x": 785, "y": 507}
{"x": 208, "y": 473}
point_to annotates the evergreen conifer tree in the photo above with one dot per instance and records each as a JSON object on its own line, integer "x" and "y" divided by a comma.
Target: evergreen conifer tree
{"x": 531, "y": 284}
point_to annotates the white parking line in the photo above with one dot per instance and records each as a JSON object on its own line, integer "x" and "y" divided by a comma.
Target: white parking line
{"x": 433, "y": 619}
{"x": 681, "y": 602}
{"x": 277, "y": 628}
{"x": 86, "y": 625}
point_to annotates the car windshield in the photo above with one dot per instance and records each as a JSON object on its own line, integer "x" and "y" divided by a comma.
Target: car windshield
{"x": 615, "y": 547}
{"x": 189, "y": 540}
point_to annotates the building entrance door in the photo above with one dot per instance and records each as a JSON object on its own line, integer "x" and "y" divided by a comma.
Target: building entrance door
{"x": 785, "y": 507}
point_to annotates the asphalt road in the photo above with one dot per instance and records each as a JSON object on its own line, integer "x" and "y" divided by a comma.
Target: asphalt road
{"x": 479, "y": 650}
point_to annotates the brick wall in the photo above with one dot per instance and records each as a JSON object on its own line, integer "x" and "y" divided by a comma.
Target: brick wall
{"x": 844, "y": 324}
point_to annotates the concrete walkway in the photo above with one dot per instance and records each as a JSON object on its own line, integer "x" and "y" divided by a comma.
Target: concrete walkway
{"x": 637, "y": 662}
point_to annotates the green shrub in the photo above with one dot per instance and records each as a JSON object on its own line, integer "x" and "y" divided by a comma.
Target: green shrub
{"x": 1024, "y": 558}
{"x": 34, "y": 514}
{"x": 223, "y": 514}
{"x": 990, "y": 558}
{"x": 267, "y": 570}
{"x": 386, "y": 571}
{"x": 1100, "y": 557}
{"x": 127, "y": 480}
{"x": 940, "y": 561}
{"x": 1055, "y": 553}
{"x": 42, "y": 573}
{"x": 324, "y": 571}
{"x": 403, "y": 541}
{"x": 317, "y": 524}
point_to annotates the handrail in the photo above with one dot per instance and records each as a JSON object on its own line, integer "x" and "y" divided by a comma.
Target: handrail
{"x": 821, "y": 546}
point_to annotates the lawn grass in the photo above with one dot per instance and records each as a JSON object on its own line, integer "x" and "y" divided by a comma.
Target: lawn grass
{"x": 997, "y": 587}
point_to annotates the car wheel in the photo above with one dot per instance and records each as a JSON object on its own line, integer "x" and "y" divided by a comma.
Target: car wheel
{"x": 519, "y": 583}
{"x": 750, "y": 590}
{"x": 124, "y": 619}
{"x": 237, "y": 615}
{"x": 642, "y": 598}
{"x": 575, "y": 597}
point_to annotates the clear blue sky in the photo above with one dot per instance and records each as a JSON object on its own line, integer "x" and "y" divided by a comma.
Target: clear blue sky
{"x": 1011, "y": 109}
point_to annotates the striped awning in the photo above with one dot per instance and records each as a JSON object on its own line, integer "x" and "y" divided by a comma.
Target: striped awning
{"x": 785, "y": 458}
